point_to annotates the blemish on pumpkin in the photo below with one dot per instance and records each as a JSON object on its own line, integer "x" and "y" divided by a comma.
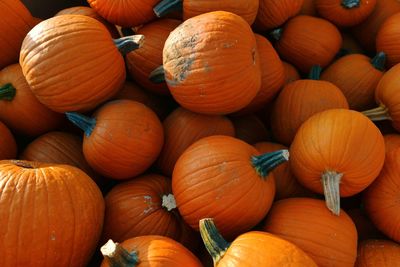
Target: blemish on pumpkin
{"x": 207, "y": 67}
{"x": 253, "y": 53}
{"x": 149, "y": 202}
{"x": 182, "y": 68}
{"x": 53, "y": 236}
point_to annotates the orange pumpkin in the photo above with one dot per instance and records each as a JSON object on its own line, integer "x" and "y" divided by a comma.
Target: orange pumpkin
{"x": 211, "y": 63}
{"x": 8, "y": 145}
{"x": 250, "y": 128}
{"x": 387, "y": 39}
{"x": 291, "y": 73}
{"x": 58, "y": 210}
{"x": 329, "y": 240}
{"x": 337, "y": 152}
{"x": 182, "y": 128}
{"x": 317, "y": 45}
{"x": 251, "y": 249}
{"x": 375, "y": 252}
{"x": 392, "y": 141}
{"x": 350, "y": 44}
{"x": 308, "y": 8}
{"x": 357, "y": 76}
{"x": 19, "y": 108}
{"x": 59, "y": 78}
{"x": 122, "y": 139}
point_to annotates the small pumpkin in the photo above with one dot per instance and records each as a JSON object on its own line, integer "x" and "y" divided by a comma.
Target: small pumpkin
{"x": 251, "y": 249}
{"x": 378, "y": 252}
{"x": 337, "y": 152}
{"x": 387, "y": 39}
{"x": 291, "y": 73}
{"x": 8, "y": 145}
{"x": 250, "y": 128}
{"x": 122, "y": 139}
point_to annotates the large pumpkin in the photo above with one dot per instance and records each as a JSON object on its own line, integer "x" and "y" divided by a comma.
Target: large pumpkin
{"x": 375, "y": 252}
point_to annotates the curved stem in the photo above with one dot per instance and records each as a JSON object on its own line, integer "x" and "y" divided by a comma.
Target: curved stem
{"x": 315, "y": 72}
{"x": 378, "y": 114}
{"x": 117, "y": 256}
{"x": 167, "y": 6}
{"x": 379, "y": 61}
{"x": 86, "y": 123}
{"x": 215, "y": 244}
{"x": 350, "y": 3}
{"x": 129, "y": 43}
{"x": 7, "y": 92}
{"x": 265, "y": 163}
{"x": 330, "y": 182}
{"x": 168, "y": 202}
{"x": 276, "y": 34}
{"x": 157, "y": 75}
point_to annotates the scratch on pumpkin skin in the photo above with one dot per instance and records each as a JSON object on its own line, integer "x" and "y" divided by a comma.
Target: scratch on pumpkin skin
{"x": 149, "y": 202}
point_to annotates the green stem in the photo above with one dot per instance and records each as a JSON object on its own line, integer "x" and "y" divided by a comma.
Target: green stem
{"x": 167, "y": 6}
{"x": 7, "y": 92}
{"x": 117, "y": 256}
{"x": 129, "y": 43}
{"x": 265, "y": 163}
{"x": 379, "y": 61}
{"x": 378, "y": 114}
{"x": 315, "y": 72}
{"x": 86, "y": 123}
{"x": 157, "y": 75}
{"x": 127, "y": 31}
{"x": 331, "y": 184}
{"x": 276, "y": 34}
{"x": 350, "y": 3}
{"x": 215, "y": 244}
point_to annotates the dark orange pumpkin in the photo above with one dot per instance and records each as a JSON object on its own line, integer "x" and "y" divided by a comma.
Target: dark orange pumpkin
{"x": 392, "y": 141}
{"x": 82, "y": 66}
{"x": 317, "y": 45}
{"x": 182, "y": 128}
{"x": 308, "y": 8}
{"x": 8, "y": 146}
{"x": 337, "y": 152}
{"x": 250, "y": 128}
{"x": 329, "y": 240}
{"x": 19, "y": 108}
{"x": 375, "y": 252}
{"x": 291, "y": 73}
{"x": 387, "y": 39}
{"x": 350, "y": 44}
{"x": 122, "y": 139}
{"x": 51, "y": 215}
{"x": 211, "y": 63}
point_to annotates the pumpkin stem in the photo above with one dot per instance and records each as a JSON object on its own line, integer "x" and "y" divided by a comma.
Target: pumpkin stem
{"x": 157, "y": 75}
{"x": 276, "y": 34}
{"x": 117, "y": 256}
{"x": 350, "y": 3}
{"x": 86, "y": 123}
{"x": 265, "y": 163}
{"x": 167, "y": 6}
{"x": 168, "y": 202}
{"x": 379, "y": 61}
{"x": 315, "y": 72}
{"x": 127, "y": 31}
{"x": 7, "y": 92}
{"x": 129, "y": 43}
{"x": 215, "y": 244}
{"x": 330, "y": 182}
{"x": 378, "y": 114}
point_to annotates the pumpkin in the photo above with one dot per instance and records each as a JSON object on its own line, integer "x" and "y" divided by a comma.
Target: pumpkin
{"x": 337, "y": 152}
{"x": 19, "y": 108}
{"x": 144, "y": 206}
{"x": 272, "y": 14}
{"x": 247, "y": 9}
{"x": 291, "y": 73}
{"x": 125, "y": 13}
{"x": 51, "y": 215}
{"x": 299, "y": 100}
{"x": 392, "y": 141}
{"x": 16, "y": 22}
{"x": 317, "y": 45}
{"x": 357, "y": 76}
{"x": 8, "y": 145}
{"x": 150, "y": 250}
{"x": 365, "y": 228}
{"x": 387, "y": 39}
{"x": 381, "y": 198}
{"x": 222, "y": 177}
{"x": 350, "y": 44}
{"x": 250, "y": 128}
{"x": 254, "y": 248}
{"x": 329, "y": 240}
{"x": 366, "y": 31}
{"x": 375, "y": 252}
{"x": 211, "y": 63}
{"x": 142, "y": 62}
{"x": 59, "y": 78}
{"x": 345, "y": 13}
{"x": 182, "y": 128}
{"x": 308, "y": 8}
{"x": 122, "y": 139}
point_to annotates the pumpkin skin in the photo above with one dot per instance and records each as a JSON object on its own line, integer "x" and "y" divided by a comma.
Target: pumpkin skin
{"x": 205, "y": 60}
{"x": 387, "y": 39}
{"x": 272, "y": 14}
{"x": 142, "y": 62}
{"x": 392, "y": 141}
{"x": 57, "y": 208}
{"x": 329, "y": 240}
{"x": 98, "y": 72}
{"x": 317, "y": 45}
{"x": 8, "y": 146}
{"x": 16, "y": 22}
{"x": 308, "y": 8}
{"x": 291, "y": 73}
{"x": 250, "y": 128}
{"x": 125, "y": 13}
{"x": 381, "y": 198}
{"x": 375, "y": 252}
{"x": 345, "y": 13}
{"x": 19, "y": 108}
{"x": 337, "y": 146}
{"x": 182, "y": 128}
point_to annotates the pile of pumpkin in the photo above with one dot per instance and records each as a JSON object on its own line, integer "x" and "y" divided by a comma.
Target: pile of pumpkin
{"x": 201, "y": 146}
